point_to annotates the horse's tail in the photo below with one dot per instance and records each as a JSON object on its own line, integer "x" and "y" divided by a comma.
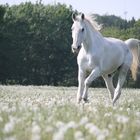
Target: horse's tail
{"x": 134, "y": 46}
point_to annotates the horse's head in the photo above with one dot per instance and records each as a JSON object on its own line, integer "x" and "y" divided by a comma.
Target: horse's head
{"x": 78, "y": 32}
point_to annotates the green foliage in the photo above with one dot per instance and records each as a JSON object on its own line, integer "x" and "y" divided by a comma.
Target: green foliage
{"x": 35, "y": 43}
{"x": 111, "y": 21}
{"x": 35, "y": 46}
{"x": 136, "y": 29}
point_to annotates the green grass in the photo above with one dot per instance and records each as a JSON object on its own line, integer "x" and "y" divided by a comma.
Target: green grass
{"x": 51, "y": 113}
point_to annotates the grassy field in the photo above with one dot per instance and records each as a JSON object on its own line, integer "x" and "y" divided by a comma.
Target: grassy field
{"x": 51, "y": 113}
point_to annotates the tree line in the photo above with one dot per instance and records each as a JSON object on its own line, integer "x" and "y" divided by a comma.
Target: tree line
{"x": 35, "y": 44}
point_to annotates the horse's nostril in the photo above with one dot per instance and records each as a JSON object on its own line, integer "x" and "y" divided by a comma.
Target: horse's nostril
{"x": 74, "y": 48}
{"x": 79, "y": 47}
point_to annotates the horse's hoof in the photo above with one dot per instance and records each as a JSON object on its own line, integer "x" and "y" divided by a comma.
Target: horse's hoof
{"x": 79, "y": 100}
{"x": 85, "y": 100}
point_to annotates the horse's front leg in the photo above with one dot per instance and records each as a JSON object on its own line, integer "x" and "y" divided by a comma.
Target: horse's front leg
{"x": 81, "y": 79}
{"x": 93, "y": 75}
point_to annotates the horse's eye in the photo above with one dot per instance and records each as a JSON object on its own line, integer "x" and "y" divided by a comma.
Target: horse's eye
{"x": 82, "y": 29}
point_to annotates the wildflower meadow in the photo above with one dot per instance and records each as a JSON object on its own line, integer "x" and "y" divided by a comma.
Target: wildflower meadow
{"x": 51, "y": 113}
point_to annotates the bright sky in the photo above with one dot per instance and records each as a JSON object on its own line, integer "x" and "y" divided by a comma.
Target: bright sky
{"x": 124, "y": 8}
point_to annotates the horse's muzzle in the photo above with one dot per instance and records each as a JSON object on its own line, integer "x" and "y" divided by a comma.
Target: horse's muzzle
{"x": 76, "y": 49}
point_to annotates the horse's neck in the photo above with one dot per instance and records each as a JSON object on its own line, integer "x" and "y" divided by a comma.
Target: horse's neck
{"x": 93, "y": 39}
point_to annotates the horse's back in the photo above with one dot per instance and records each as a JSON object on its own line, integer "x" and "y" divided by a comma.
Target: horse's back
{"x": 117, "y": 46}
{"x": 132, "y": 42}
{"x": 124, "y": 48}
{"x": 115, "y": 42}
{"x": 114, "y": 54}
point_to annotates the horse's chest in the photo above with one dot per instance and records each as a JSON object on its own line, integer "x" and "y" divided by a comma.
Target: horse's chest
{"x": 87, "y": 63}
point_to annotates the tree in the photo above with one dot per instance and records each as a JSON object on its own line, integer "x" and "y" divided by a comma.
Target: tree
{"x": 35, "y": 42}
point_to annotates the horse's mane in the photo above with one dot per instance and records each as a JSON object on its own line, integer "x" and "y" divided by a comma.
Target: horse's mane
{"x": 91, "y": 19}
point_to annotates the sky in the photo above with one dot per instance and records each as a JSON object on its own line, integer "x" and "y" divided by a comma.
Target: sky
{"x": 123, "y": 8}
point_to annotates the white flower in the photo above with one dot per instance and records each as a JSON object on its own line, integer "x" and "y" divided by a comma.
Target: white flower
{"x": 138, "y": 114}
{"x": 71, "y": 124}
{"x": 49, "y": 129}
{"x": 35, "y": 131}
{"x": 110, "y": 126}
{"x": 58, "y": 135}
{"x": 88, "y": 125}
{"x": 114, "y": 108}
{"x": 122, "y": 119}
{"x": 121, "y": 136}
{"x": 93, "y": 129}
{"x": 60, "y": 124}
{"x": 9, "y": 126}
{"x": 105, "y": 132}
{"x": 83, "y": 121}
{"x": 138, "y": 137}
{"x": 10, "y": 138}
{"x": 78, "y": 135}
{"x": 108, "y": 114}
{"x": 121, "y": 108}
{"x": 98, "y": 133}
{"x": 128, "y": 110}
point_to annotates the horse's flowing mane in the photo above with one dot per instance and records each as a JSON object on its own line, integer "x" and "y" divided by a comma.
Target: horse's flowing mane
{"x": 91, "y": 19}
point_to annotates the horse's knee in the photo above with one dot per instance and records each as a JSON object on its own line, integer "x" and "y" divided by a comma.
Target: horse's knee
{"x": 87, "y": 82}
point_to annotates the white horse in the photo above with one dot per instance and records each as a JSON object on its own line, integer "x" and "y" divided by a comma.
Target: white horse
{"x": 100, "y": 56}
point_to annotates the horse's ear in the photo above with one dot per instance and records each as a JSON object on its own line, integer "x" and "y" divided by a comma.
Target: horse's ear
{"x": 83, "y": 16}
{"x": 73, "y": 17}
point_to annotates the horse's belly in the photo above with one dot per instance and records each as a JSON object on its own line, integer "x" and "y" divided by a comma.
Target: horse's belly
{"x": 110, "y": 70}
{"x": 111, "y": 65}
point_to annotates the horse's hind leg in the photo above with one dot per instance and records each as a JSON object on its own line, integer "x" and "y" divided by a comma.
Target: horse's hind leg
{"x": 109, "y": 84}
{"x": 121, "y": 79}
